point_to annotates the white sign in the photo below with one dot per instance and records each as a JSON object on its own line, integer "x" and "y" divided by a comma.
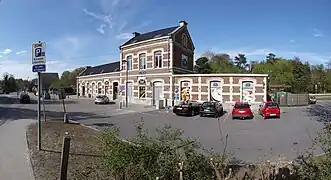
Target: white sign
{"x": 38, "y": 53}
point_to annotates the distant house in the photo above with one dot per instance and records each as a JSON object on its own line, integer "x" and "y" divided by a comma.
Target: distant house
{"x": 46, "y": 80}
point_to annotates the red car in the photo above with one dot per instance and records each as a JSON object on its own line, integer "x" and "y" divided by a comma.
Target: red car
{"x": 242, "y": 110}
{"x": 269, "y": 109}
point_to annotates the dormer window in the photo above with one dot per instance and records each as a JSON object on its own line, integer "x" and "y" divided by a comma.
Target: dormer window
{"x": 184, "y": 39}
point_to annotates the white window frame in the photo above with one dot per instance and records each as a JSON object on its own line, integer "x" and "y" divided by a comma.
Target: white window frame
{"x": 129, "y": 59}
{"x": 181, "y": 61}
{"x": 158, "y": 59}
{"x": 142, "y": 61}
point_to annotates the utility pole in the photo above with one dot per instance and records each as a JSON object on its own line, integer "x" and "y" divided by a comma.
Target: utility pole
{"x": 126, "y": 84}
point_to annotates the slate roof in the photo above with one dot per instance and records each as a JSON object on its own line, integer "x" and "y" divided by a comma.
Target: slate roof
{"x": 101, "y": 69}
{"x": 151, "y": 35}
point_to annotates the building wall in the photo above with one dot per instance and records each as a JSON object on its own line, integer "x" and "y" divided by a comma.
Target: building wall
{"x": 180, "y": 47}
{"x": 91, "y": 82}
{"x": 231, "y": 86}
{"x": 148, "y": 48}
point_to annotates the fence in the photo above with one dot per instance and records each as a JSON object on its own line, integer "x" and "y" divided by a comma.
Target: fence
{"x": 287, "y": 99}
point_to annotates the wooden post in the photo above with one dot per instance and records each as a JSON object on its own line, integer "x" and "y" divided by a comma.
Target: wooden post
{"x": 180, "y": 170}
{"x": 64, "y": 158}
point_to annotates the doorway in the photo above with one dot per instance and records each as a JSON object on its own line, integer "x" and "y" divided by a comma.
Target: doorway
{"x": 83, "y": 91}
{"x": 130, "y": 91}
{"x": 157, "y": 91}
{"x": 115, "y": 90}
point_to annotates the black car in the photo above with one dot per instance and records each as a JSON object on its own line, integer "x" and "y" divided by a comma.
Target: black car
{"x": 211, "y": 108}
{"x": 312, "y": 100}
{"x": 191, "y": 108}
{"x": 24, "y": 98}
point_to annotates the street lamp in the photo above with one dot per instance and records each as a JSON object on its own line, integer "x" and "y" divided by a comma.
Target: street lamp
{"x": 126, "y": 82}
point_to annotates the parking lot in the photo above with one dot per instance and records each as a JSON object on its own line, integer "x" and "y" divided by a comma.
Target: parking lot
{"x": 250, "y": 140}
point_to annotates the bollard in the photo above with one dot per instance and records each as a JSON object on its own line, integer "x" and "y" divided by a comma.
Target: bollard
{"x": 120, "y": 105}
{"x": 65, "y": 118}
{"x": 64, "y": 158}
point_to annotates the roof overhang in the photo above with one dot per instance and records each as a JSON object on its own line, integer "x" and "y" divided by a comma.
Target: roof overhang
{"x": 149, "y": 40}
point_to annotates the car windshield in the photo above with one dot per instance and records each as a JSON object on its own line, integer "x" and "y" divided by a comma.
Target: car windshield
{"x": 208, "y": 104}
{"x": 241, "y": 106}
{"x": 272, "y": 105}
{"x": 99, "y": 96}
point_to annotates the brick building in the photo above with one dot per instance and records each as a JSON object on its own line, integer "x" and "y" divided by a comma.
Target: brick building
{"x": 159, "y": 65}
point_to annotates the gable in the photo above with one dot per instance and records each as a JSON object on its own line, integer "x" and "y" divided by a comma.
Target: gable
{"x": 178, "y": 37}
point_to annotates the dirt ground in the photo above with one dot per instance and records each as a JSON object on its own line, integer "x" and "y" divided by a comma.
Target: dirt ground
{"x": 84, "y": 161}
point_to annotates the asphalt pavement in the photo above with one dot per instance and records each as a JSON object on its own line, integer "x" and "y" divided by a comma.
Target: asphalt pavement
{"x": 249, "y": 140}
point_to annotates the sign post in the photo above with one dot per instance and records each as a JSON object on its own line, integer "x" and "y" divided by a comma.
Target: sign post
{"x": 38, "y": 66}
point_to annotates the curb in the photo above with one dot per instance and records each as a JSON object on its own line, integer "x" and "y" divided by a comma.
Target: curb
{"x": 29, "y": 153}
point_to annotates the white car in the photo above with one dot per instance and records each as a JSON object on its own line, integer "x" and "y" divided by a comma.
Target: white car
{"x": 101, "y": 99}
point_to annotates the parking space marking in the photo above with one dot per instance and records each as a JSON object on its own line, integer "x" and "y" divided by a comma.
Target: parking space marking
{"x": 226, "y": 117}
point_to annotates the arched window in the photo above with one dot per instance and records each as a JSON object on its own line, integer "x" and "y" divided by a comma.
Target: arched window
{"x": 99, "y": 88}
{"x": 142, "y": 61}
{"x": 158, "y": 59}
{"x": 184, "y": 40}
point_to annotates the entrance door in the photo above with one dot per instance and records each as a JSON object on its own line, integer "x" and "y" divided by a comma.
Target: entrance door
{"x": 115, "y": 90}
{"x": 130, "y": 92}
{"x": 83, "y": 91}
{"x": 157, "y": 91}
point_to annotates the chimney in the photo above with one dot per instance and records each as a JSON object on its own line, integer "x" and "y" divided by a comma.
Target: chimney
{"x": 135, "y": 34}
{"x": 182, "y": 23}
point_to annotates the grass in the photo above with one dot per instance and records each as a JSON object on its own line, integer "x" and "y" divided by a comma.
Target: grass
{"x": 85, "y": 161}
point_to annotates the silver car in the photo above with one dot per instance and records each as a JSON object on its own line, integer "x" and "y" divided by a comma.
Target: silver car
{"x": 101, "y": 99}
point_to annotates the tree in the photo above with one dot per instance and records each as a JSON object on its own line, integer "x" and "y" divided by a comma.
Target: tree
{"x": 271, "y": 58}
{"x": 202, "y": 66}
{"x": 8, "y": 83}
{"x": 240, "y": 62}
{"x": 222, "y": 63}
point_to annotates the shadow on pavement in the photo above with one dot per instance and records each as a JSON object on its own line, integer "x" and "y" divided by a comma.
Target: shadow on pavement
{"x": 321, "y": 112}
{"x": 18, "y": 113}
{"x": 8, "y": 100}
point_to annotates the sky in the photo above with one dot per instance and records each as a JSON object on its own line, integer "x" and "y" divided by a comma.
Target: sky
{"x": 89, "y": 32}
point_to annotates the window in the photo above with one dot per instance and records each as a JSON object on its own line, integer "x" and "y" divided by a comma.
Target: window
{"x": 142, "y": 92}
{"x": 157, "y": 59}
{"x": 129, "y": 62}
{"x": 142, "y": 61}
{"x": 184, "y": 61}
{"x": 184, "y": 40}
{"x": 99, "y": 88}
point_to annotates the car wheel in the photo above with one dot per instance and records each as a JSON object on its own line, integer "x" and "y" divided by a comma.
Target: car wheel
{"x": 233, "y": 118}
{"x": 95, "y": 103}
{"x": 177, "y": 114}
{"x": 193, "y": 113}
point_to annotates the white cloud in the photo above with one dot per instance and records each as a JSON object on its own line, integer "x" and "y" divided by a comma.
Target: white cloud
{"x": 5, "y": 52}
{"x": 101, "y": 29}
{"x": 124, "y": 36}
{"x": 70, "y": 46}
{"x": 106, "y": 19}
{"x": 21, "y": 52}
{"x": 317, "y": 33}
{"x": 292, "y": 41}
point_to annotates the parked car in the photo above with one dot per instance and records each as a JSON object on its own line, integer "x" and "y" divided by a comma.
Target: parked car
{"x": 101, "y": 99}
{"x": 211, "y": 108}
{"x": 25, "y": 98}
{"x": 242, "y": 110}
{"x": 269, "y": 109}
{"x": 187, "y": 108}
{"x": 312, "y": 100}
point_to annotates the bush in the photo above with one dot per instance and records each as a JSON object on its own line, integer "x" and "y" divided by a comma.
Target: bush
{"x": 169, "y": 153}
